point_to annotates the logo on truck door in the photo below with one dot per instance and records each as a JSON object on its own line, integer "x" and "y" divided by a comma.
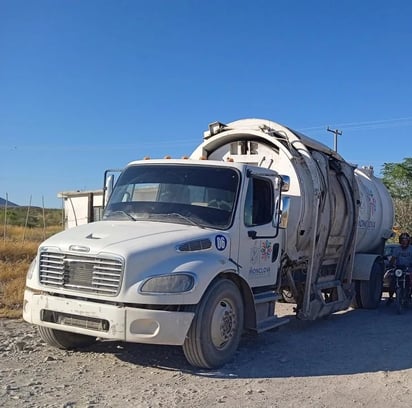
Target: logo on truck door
{"x": 265, "y": 250}
{"x": 260, "y": 258}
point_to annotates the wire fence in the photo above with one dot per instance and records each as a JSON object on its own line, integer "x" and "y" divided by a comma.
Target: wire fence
{"x": 27, "y": 222}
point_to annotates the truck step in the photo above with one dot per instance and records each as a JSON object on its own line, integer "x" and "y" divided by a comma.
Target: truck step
{"x": 268, "y": 296}
{"x": 271, "y": 323}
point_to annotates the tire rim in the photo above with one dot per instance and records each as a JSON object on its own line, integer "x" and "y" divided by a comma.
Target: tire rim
{"x": 223, "y": 324}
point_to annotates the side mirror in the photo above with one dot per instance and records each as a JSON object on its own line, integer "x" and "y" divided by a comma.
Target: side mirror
{"x": 284, "y": 212}
{"x": 109, "y": 188}
{"x": 108, "y": 184}
{"x": 285, "y": 182}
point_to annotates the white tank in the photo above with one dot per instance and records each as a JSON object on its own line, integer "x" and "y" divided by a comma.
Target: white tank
{"x": 376, "y": 213}
{"x": 329, "y": 200}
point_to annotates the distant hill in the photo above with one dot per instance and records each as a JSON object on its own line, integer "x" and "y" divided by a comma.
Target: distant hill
{"x": 3, "y": 203}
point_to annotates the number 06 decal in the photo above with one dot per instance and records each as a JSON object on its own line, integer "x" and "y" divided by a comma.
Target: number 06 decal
{"x": 220, "y": 242}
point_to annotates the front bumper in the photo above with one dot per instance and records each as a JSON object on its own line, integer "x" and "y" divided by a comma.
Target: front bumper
{"x": 106, "y": 321}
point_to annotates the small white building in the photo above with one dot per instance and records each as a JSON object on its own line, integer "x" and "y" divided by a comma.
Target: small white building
{"x": 81, "y": 207}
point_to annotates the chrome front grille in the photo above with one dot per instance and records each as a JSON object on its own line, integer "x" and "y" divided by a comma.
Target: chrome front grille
{"x": 99, "y": 275}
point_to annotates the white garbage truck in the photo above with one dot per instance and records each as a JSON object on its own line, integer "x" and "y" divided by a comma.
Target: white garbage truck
{"x": 196, "y": 251}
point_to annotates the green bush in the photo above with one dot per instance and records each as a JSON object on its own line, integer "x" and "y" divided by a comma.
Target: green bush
{"x": 32, "y": 217}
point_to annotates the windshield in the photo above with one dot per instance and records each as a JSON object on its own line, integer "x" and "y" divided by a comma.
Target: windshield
{"x": 190, "y": 194}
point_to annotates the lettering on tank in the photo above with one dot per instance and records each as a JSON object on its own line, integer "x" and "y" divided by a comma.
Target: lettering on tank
{"x": 368, "y": 206}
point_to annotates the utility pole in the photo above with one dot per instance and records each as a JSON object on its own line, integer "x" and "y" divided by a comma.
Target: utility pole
{"x": 336, "y": 133}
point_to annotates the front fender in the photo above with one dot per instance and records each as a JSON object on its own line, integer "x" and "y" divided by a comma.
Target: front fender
{"x": 204, "y": 267}
{"x": 363, "y": 266}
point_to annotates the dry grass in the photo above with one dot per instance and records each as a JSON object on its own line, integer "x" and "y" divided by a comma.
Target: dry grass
{"x": 12, "y": 280}
{"x": 17, "y": 251}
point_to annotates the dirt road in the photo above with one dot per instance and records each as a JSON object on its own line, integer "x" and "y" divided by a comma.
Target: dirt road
{"x": 359, "y": 358}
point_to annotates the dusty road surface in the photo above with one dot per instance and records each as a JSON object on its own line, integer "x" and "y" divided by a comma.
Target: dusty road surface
{"x": 358, "y": 358}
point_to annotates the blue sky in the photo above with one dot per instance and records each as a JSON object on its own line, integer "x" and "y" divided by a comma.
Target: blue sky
{"x": 89, "y": 85}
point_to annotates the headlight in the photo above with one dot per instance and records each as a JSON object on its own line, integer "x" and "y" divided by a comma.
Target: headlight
{"x": 398, "y": 273}
{"x": 176, "y": 283}
{"x": 31, "y": 269}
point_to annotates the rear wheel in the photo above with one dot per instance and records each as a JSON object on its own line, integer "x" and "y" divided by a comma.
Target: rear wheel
{"x": 216, "y": 329}
{"x": 356, "y": 301}
{"x": 370, "y": 291}
{"x": 65, "y": 340}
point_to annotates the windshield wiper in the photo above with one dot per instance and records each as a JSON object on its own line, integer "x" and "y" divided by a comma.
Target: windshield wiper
{"x": 184, "y": 217}
{"x": 122, "y": 212}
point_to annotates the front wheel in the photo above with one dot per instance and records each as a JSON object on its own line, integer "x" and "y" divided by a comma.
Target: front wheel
{"x": 65, "y": 340}
{"x": 216, "y": 329}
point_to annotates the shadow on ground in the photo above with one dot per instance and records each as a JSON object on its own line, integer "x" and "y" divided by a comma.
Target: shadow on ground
{"x": 351, "y": 342}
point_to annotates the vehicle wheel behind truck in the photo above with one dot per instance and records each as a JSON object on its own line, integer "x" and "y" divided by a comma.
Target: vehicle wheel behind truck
{"x": 399, "y": 300}
{"x": 370, "y": 291}
{"x": 217, "y": 326}
{"x": 65, "y": 340}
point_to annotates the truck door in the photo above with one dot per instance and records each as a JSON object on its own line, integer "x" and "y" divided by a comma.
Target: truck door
{"x": 259, "y": 237}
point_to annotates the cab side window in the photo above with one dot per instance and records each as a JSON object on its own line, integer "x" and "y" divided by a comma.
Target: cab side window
{"x": 259, "y": 202}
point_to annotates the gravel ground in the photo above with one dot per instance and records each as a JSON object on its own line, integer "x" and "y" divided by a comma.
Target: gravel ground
{"x": 357, "y": 358}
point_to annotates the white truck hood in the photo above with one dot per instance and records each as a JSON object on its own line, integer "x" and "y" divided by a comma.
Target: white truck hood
{"x": 123, "y": 237}
{"x": 147, "y": 249}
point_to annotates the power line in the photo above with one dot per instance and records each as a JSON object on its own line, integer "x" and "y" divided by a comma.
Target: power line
{"x": 373, "y": 124}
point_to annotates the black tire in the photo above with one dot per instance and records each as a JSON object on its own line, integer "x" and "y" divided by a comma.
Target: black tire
{"x": 371, "y": 290}
{"x": 399, "y": 300}
{"x": 216, "y": 329}
{"x": 65, "y": 340}
{"x": 356, "y": 301}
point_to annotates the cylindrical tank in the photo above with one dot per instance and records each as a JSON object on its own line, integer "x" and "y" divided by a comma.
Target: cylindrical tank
{"x": 376, "y": 212}
{"x": 324, "y": 200}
